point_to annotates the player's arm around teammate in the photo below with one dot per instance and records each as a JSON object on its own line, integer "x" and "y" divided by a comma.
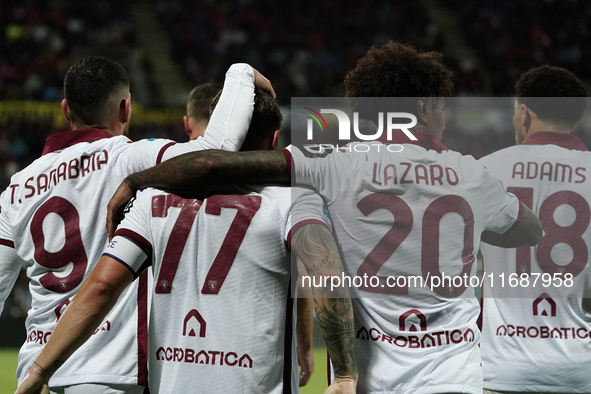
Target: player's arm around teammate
{"x": 98, "y": 294}
{"x": 198, "y": 170}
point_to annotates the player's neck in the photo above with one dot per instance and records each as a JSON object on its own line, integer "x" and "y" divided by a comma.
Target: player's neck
{"x": 542, "y": 126}
{"x": 419, "y": 128}
{"x": 102, "y": 126}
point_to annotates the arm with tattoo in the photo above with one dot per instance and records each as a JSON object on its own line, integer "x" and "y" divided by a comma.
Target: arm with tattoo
{"x": 197, "y": 171}
{"x": 316, "y": 248}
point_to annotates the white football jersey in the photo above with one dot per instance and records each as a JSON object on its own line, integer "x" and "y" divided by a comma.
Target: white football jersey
{"x": 221, "y": 318}
{"x": 53, "y": 217}
{"x": 413, "y": 215}
{"x": 538, "y": 341}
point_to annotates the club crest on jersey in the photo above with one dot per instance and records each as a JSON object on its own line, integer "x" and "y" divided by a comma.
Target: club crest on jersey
{"x": 212, "y": 284}
{"x": 164, "y": 284}
{"x": 63, "y": 283}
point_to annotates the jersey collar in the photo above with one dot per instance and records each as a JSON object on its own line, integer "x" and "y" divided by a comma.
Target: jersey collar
{"x": 555, "y": 138}
{"x": 66, "y": 139}
{"x": 425, "y": 140}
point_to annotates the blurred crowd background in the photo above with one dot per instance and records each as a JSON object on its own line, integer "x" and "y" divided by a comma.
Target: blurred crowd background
{"x": 304, "y": 48}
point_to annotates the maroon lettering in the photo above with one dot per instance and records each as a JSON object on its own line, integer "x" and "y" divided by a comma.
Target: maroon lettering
{"x": 518, "y": 169}
{"x": 61, "y": 172}
{"x": 375, "y": 170}
{"x": 583, "y": 178}
{"x": 529, "y": 170}
{"x": 231, "y": 363}
{"x": 438, "y": 334}
{"x": 403, "y": 179}
{"x": 31, "y": 188}
{"x": 469, "y": 335}
{"x": 401, "y": 339}
{"x": 510, "y": 330}
{"x": 546, "y": 170}
{"x": 178, "y": 354}
{"x": 586, "y": 335}
{"x": 52, "y": 177}
{"x": 372, "y": 337}
{"x": 13, "y": 187}
{"x": 160, "y": 353}
{"x": 544, "y": 332}
{"x": 189, "y": 356}
{"x": 244, "y": 359}
{"x": 390, "y": 176}
{"x": 521, "y": 331}
{"x": 565, "y": 168}
{"x": 421, "y": 174}
{"x": 437, "y": 177}
{"x": 213, "y": 353}
{"x": 386, "y": 338}
{"x": 413, "y": 342}
{"x": 427, "y": 341}
{"x": 73, "y": 170}
{"x": 557, "y": 332}
{"x": 205, "y": 359}
{"x": 535, "y": 332}
{"x": 100, "y": 161}
{"x": 42, "y": 186}
{"x": 459, "y": 336}
{"x": 448, "y": 172}
{"x": 85, "y": 165}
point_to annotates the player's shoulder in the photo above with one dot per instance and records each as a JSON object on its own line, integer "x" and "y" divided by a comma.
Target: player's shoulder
{"x": 503, "y": 154}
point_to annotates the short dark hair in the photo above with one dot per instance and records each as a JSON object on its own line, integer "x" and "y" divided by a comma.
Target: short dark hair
{"x": 200, "y": 98}
{"x": 555, "y": 94}
{"x": 266, "y": 118}
{"x": 90, "y": 84}
{"x": 399, "y": 70}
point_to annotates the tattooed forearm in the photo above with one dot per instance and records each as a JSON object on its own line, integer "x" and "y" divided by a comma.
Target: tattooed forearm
{"x": 197, "y": 171}
{"x": 335, "y": 318}
{"x": 317, "y": 249}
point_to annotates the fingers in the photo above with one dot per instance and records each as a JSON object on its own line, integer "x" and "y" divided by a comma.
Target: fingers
{"x": 262, "y": 82}
{"x": 304, "y": 377}
{"x": 115, "y": 208}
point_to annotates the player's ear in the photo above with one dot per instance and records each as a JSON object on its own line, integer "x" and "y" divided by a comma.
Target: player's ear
{"x": 275, "y": 140}
{"x": 65, "y": 110}
{"x": 187, "y": 122}
{"x": 422, "y": 110}
{"x": 125, "y": 110}
{"x": 527, "y": 117}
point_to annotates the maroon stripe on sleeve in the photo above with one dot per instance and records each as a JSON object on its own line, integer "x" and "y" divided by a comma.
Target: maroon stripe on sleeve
{"x": 6, "y": 242}
{"x": 289, "y": 159}
{"x": 288, "y": 338}
{"x": 135, "y": 238}
{"x": 301, "y": 224}
{"x": 161, "y": 153}
{"x": 142, "y": 330}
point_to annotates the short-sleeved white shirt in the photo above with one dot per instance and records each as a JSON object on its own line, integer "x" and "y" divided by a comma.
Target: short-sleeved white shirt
{"x": 538, "y": 340}
{"x": 52, "y": 222}
{"x": 413, "y": 213}
{"x": 221, "y": 316}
